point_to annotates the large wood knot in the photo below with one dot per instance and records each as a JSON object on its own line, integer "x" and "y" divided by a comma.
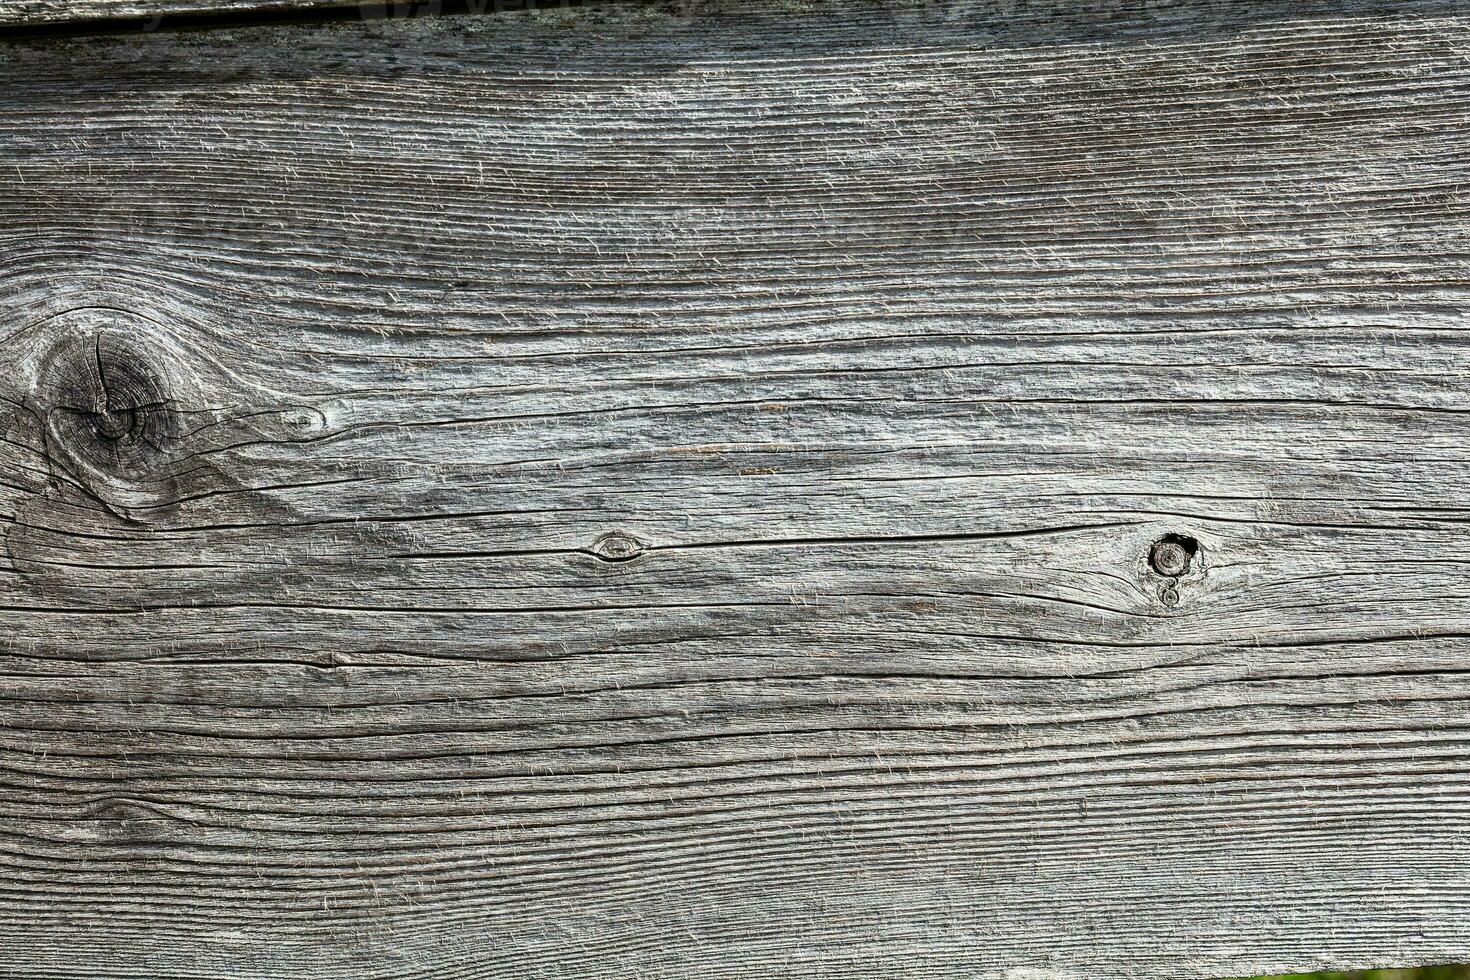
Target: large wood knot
{"x": 115, "y": 411}
{"x": 110, "y": 404}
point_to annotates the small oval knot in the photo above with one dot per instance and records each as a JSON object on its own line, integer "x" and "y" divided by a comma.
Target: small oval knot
{"x": 302, "y": 420}
{"x": 617, "y": 546}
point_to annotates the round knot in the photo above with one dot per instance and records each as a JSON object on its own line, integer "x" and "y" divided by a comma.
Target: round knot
{"x": 111, "y": 418}
{"x": 617, "y": 546}
{"x": 1172, "y": 555}
{"x": 114, "y": 412}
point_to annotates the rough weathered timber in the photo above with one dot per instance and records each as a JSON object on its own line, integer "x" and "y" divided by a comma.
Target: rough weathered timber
{"x": 153, "y": 14}
{"x": 631, "y": 494}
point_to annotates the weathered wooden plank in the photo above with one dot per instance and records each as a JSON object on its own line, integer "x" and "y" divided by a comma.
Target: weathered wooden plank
{"x": 152, "y": 14}
{"x": 671, "y": 495}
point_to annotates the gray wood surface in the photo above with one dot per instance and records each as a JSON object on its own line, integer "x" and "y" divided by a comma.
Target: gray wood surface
{"x": 664, "y": 494}
{"x": 154, "y": 14}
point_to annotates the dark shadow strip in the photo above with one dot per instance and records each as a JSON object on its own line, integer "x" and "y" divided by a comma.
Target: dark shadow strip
{"x": 270, "y": 15}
